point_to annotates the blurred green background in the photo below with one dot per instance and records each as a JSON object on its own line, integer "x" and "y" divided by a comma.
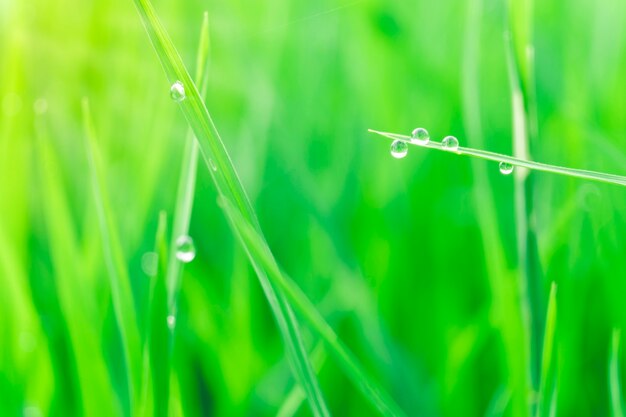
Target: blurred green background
{"x": 415, "y": 262}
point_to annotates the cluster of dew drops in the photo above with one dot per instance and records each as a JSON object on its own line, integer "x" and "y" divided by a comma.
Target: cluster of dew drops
{"x": 420, "y": 136}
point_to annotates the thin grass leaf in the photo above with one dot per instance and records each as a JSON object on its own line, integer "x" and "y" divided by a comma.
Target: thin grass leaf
{"x": 75, "y": 297}
{"x": 119, "y": 280}
{"x": 547, "y": 384}
{"x": 345, "y": 359}
{"x": 228, "y": 184}
{"x": 187, "y": 179}
{"x": 296, "y": 395}
{"x": 158, "y": 338}
{"x": 509, "y": 297}
{"x": 615, "y": 384}
{"x": 517, "y": 162}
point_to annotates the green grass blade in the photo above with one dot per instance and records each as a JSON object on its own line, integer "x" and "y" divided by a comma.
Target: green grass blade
{"x": 517, "y": 162}
{"x": 75, "y": 296}
{"x": 615, "y": 384}
{"x": 229, "y": 185}
{"x": 345, "y": 359}
{"x": 506, "y": 292}
{"x": 296, "y": 395}
{"x": 158, "y": 338}
{"x": 119, "y": 280}
{"x": 547, "y": 383}
{"x": 187, "y": 179}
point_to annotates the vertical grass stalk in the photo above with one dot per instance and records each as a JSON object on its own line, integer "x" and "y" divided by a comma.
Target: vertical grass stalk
{"x": 119, "y": 280}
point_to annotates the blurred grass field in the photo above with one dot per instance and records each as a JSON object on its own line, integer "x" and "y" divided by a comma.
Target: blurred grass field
{"x": 416, "y": 263}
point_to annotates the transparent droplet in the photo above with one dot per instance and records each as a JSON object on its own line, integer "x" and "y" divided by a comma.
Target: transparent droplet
{"x": 506, "y": 168}
{"x": 420, "y": 136}
{"x": 150, "y": 263}
{"x": 40, "y": 106}
{"x": 185, "y": 249}
{"x": 450, "y": 143}
{"x": 31, "y": 411}
{"x": 399, "y": 149}
{"x": 171, "y": 321}
{"x": 212, "y": 165}
{"x": 177, "y": 92}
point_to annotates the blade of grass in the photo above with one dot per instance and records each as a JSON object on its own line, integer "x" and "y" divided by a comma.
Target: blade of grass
{"x": 252, "y": 240}
{"x": 296, "y": 395}
{"x": 187, "y": 179}
{"x": 74, "y": 295}
{"x": 530, "y": 280}
{"x": 518, "y": 162}
{"x": 547, "y": 384}
{"x": 228, "y": 184}
{"x": 615, "y": 385}
{"x": 119, "y": 280}
{"x": 502, "y": 281}
{"x": 158, "y": 338}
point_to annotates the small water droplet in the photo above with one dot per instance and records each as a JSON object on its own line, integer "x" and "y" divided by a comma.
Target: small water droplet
{"x": 399, "y": 149}
{"x": 150, "y": 263}
{"x": 177, "y": 92}
{"x": 171, "y": 321}
{"x": 212, "y": 165}
{"x": 420, "y": 136}
{"x": 450, "y": 143}
{"x": 506, "y": 168}
{"x": 185, "y": 249}
{"x": 31, "y": 411}
{"x": 40, "y": 106}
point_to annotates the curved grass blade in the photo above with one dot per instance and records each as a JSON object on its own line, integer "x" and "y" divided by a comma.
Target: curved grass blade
{"x": 187, "y": 179}
{"x": 94, "y": 390}
{"x": 518, "y": 162}
{"x": 344, "y": 357}
{"x": 228, "y": 184}
{"x": 121, "y": 293}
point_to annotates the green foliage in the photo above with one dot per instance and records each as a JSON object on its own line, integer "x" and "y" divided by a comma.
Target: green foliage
{"x": 429, "y": 280}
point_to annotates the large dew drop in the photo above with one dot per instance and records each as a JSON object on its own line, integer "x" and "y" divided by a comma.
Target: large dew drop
{"x": 185, "y": 249}
{"x": 177, "y": 92}
{"x": 450, "y": 143}
{"x": 506, "y": 168}
{"x": 171, "y": 321}
{"x": 150, "y": 263}
{"x": 399, "y": 149}
{"x": 420, "y": 136}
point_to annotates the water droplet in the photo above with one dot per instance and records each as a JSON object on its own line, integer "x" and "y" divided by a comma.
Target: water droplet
{"x": 177, "y": 92}
{"x": 450, "y": 143}
{"x": 40, "y": 106}
{"x": 31, "y": 411}
{"x": 420, "y": 136}
{"x": 150, "y": 263}
{"x": 506, "y": 168}
{"x": 171, "y": 321}
{"x": 399, "y": 149}
{"x": 185, "y": 249}
{"x": 212, "y": 165}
